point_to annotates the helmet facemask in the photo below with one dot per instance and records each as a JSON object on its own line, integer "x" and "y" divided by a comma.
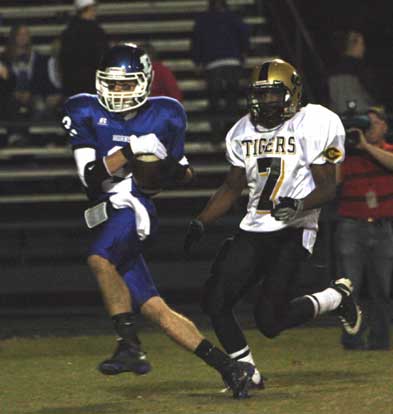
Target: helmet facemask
{"x": 274, "y": 93}
{"x": 134, "y": 89}
{"x": 268, "y": 104}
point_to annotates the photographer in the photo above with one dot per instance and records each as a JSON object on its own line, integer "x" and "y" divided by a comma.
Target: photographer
{"x": 364, "y": 233}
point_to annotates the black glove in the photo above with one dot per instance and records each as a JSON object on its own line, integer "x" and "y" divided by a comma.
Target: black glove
{"x": 287, "y": 209}
{"x": 195, "y": 231}
{"x": 172, "y": 171}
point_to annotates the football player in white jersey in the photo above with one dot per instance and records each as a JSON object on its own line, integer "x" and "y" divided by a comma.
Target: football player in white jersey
{"x": 285, "y": 155}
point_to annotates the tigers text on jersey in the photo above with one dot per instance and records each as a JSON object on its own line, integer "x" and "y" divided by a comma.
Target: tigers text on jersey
{"x": 277, "y": 163}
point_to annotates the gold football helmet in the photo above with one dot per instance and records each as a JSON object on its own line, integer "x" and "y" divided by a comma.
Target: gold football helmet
{"x": 274, "y": 94}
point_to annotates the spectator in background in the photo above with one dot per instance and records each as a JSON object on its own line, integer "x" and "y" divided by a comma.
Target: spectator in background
{"x": 7, "y": 86}
{"x": 28, "y": 69}
{"x": 52, "y": 87}
{"x": 164, "y": 81}
{"x": 351, "y": 82}
{"x": 220, "y": 42}
{"x": 364, "y": 233}
{"x": 83, "y": 42}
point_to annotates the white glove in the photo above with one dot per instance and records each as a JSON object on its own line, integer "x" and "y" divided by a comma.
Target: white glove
{"x": 147, "y": 144}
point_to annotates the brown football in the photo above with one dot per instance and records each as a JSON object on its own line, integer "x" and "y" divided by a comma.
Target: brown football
{"x": 146, "y": 172}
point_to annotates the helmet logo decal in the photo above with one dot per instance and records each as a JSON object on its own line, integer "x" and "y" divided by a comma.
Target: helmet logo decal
{"x": 146, "y": 63}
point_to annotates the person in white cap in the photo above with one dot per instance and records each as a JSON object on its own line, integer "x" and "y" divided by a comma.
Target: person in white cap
{"x": 86, "y": 6}
{"x": 83, "y": 42}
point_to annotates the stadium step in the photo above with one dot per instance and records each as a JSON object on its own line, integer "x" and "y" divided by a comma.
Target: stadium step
{"x": 167, "y": 25}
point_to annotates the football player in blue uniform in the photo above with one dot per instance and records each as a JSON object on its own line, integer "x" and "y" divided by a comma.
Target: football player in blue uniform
{"x": 107, "y": 132}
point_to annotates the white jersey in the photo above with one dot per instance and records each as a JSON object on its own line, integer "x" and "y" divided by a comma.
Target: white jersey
{"x": 277, "y": 164}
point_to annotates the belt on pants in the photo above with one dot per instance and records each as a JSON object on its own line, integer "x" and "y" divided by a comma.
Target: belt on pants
{"x": 372, "y": 220}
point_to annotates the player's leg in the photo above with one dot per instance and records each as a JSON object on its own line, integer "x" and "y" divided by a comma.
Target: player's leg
{"x": 232, "y": 274}
{"x": 176, "y": 326}
{"x": 115, "y": 293}
{"x": 114, "y": 249}
{"x": 184, "y": 332}
{"x": 274, "y": 310}
{"x": 179, "y": 328}
{"x": 284, "y": 256}
{"x": 128, "y": 355}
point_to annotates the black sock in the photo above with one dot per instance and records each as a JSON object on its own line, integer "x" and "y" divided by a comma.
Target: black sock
{"x": 301, "y": 310}
{"x": 229, "y": 332}
{"x": 125, "y": 328}
{"x": 212, "y": 355}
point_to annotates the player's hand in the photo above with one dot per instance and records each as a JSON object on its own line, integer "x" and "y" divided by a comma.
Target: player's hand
{"x": 195, "y": 231}
{"x": 287, "y": 209}
{"x": 147, "y": 144}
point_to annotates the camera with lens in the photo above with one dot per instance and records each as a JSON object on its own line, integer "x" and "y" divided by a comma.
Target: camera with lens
{"x": 353, "y": 119}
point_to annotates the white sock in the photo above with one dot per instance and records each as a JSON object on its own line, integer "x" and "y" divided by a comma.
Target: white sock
{"x": 325, "y": 301}
{"x": 244, "y": 355}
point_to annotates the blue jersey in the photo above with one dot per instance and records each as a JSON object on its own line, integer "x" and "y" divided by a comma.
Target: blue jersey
{"x": 120, "y": 239}
{"x": 89, "y": 124}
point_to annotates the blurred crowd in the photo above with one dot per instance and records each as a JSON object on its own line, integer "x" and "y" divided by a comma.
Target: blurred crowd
{"x": 33, "y": 86}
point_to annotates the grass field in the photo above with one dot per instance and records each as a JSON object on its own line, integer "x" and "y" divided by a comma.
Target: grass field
{"x": 307, "y": 372}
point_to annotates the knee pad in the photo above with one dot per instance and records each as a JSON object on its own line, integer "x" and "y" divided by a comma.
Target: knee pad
{"x": 213, "y": 301}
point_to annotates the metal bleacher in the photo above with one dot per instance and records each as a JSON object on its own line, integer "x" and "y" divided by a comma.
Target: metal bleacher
{"x": 40, "y": 195}
{"x": 167, "y": 25}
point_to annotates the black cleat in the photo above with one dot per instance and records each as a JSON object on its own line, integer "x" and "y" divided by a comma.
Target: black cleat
{"x": 126, "y": 358}
{"x": 260, "y": 385}
{"x": 349, "y": 312}
{"x": 238, "y": 377}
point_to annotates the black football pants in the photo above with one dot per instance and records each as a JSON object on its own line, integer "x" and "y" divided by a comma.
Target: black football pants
{"x": 268, "y": 262}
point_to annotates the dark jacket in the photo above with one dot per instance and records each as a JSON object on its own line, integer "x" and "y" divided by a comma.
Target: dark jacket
{"x": 219, "y": 35}
{"x": 37, "y": 76}
{"x": 7, "y": 88}
{"x": 82, "y": 44}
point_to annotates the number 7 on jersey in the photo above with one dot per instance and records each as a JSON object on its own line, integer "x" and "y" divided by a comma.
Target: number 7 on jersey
{"x": 273, "y": 168}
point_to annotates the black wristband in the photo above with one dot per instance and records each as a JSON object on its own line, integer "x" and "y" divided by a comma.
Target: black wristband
{"x": 171, "y": 169}
{"x": 127, "y": 152}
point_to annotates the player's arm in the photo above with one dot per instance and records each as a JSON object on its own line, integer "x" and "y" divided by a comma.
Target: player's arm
{"x": 339, "y": 174}
{"x": 175, "y": 168}
{"x": 93, "y": 171}
{"x": 188, "y": 176}
{"x": 176, "y": 171}
{"x": 223, "y": 199}
{"x": 98, "y": 170}
{"x": 220, "y": 202}
{"x": 325, "y": 151}
{"x": 324, "y": 176}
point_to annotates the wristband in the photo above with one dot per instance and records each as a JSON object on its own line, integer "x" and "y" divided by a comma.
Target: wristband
{"x": 127, "y": 152}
